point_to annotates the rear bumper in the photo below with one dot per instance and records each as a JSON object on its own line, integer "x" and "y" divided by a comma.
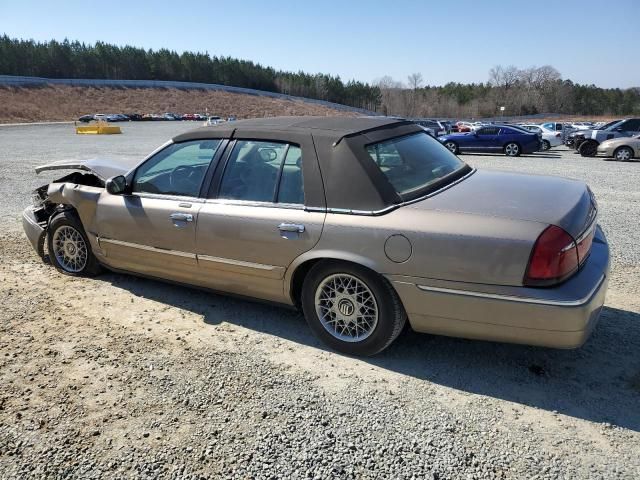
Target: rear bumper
{"x": 561, "y": 317}
{"x": 33, "y": 230}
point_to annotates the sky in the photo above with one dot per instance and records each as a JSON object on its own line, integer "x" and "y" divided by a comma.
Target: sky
{"x": 588, "y": 41}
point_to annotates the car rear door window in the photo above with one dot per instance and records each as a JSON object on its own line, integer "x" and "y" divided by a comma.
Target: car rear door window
{"x": 488, "y": 131}
{"x": 179, "y": 169}
{"x": 413, "y": 162}
{"x": 263, "y": 171}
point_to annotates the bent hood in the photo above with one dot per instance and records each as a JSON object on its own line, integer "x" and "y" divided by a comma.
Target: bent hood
{"x": 536, "y": 198}
{"x": 101, "y": 167}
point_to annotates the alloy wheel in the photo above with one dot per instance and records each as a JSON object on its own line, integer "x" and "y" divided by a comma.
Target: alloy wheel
{"x": 70, "y": 249}
{"x": 512, "y": 149}
{"x": 346, "y": 307}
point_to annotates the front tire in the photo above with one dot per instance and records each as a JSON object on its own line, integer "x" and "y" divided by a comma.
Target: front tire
{"x": 351, "y": 309}
{"x": 512, "y": 149}
{"x": 545, "y": 145}
{"x": 588, "y": 148}
{"x": 623, "y": 154}
{"x": 69, "y": 248}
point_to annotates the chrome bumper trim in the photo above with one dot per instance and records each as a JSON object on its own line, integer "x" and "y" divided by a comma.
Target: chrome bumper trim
{"x": 512, "y": 298}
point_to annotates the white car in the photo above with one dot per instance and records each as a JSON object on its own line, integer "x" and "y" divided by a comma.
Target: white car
{"x": 550, "y": 138}
{"x": 582, "y": 125}
{"x": 213, "y": 120}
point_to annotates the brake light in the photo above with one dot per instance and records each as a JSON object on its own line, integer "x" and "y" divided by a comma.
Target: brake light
{"x": 584, "y": 244}
{"x": 554, "y": 257}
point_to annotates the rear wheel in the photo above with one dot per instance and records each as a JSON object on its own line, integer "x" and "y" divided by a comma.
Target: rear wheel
{"x": 69, "y": 248}
{"x": 623, "y": 154}
{"x": 588, "y": 148}
{"x": 512, "y": 149}
{"x": 545, "y": 145}
{"x": 453, "y": 148}
{"x": 351, "y": 309}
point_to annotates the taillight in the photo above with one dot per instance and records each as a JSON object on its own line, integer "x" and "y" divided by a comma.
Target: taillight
{"x": 554, "y": 257}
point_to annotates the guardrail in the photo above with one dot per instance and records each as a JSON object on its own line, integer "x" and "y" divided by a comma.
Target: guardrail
{"x": 20, "y": 81}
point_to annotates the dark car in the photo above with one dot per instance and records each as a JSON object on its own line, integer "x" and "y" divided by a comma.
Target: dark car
{"x": 586, "y": 142}
{"x": 434, "y": 127}
{"x": 510, "y": 140}
{"x": 86, "y": 118}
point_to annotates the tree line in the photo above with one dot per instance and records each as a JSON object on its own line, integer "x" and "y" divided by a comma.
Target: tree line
{"x": 520, "y": 91}
{"x": 68, "y": 59}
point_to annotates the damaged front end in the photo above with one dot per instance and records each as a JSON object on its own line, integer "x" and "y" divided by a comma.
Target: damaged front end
{"x": 50, "y": 199}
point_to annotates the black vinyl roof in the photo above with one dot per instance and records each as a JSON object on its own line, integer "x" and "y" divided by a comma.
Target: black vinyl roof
{"x": 344, "y": 177}
{"x": 335, "y": 127}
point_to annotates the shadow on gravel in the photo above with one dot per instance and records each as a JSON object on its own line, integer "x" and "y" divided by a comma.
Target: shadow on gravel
{"x": 599, "y": 382}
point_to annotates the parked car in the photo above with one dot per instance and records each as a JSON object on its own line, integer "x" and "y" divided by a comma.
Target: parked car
{"x": 465, "y": 126}
{"x": 86, "y": 118}
{"x": 213, "y": 120}
{"x": 100, "y": 117}
{"x": 360, "y": 222}
{"x": 510, "y": 140}
{"x": 622, "y": 149}
{"x": 135, "y": 117}
{"x": 575, "y": 137}
{"x": 434, "y": 127}
{"x": 587, "y": 143}
{"x": 555, "y": 126}
{"x": 549, "y": 138}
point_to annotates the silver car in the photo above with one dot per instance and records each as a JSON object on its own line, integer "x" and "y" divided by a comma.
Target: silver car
{"x": 362, "y": 223}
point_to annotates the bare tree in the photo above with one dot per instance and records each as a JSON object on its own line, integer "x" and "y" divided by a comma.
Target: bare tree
{"x": 415, "y": 80}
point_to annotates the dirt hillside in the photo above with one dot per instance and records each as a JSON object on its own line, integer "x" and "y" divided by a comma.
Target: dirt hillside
{"x": 61, "y": 102}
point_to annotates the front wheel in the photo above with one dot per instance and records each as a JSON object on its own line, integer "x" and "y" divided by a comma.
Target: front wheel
{"x": 351, "y": 309}
{"x": 69, "y": 248}
{"x": 452, "y": 147}
{"x": 545, "y": 145}
{"x": 588, "y": 148}
{"x": 512, "y": 149}
{"x": 623, "y": 154}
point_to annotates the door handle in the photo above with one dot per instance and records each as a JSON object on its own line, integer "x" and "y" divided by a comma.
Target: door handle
{"x": 181, "y": 217}
{"x": 291, "y": 227}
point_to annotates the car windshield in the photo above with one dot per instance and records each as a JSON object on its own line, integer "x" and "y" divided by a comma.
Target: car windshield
{"x": 610, "y": 125}
{"x": 415, "y": 162}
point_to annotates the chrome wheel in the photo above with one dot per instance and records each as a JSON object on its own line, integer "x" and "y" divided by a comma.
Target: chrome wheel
{"x": 623, "y": 154}
{"x": 70, "y": 249}
{"x": 512, "y": 149}
{"x": 545, "y": 145}
{"x": 451, "y": 146}
{"x": 346, "y": 307}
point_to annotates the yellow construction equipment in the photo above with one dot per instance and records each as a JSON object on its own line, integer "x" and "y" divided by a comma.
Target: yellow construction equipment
{"x": 98, "y": 128}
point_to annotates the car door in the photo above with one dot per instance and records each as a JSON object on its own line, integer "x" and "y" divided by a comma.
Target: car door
{"x": 487, "y": 139}
{"x": 150, "y": 229}
{"x": 629, "y": 128}
{"x": 256, "y": 223}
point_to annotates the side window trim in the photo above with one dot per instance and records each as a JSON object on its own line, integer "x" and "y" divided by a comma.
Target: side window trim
{"x": 279, "y": 178}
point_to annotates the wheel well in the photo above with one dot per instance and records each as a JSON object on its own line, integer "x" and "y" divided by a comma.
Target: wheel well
{"x": 623, "y": 146}
{"x": 297, "y": 280}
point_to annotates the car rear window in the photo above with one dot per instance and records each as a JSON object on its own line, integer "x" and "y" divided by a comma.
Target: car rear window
{"x": 414, "y": 162}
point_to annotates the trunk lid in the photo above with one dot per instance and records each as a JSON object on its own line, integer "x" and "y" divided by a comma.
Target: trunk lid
{"x": 536, "y": 198}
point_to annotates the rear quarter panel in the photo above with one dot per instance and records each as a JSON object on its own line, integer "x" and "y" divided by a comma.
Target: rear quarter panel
{"x": 444, "y": 245}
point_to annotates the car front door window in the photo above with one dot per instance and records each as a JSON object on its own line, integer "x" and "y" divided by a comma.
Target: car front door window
{"x": 178, "y": 170}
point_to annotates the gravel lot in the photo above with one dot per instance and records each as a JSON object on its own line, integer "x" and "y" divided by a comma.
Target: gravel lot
{"x": 118, "y": 377}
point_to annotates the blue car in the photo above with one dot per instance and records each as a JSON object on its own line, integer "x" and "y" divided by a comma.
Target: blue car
{"x": 508, "y": 139}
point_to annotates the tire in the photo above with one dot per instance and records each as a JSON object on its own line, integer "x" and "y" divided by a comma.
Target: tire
{"x": 546, "y": 145}
{"x": 452, "y": 147}
{"x": 623, "y": 154}
{"x": 69, "y": 248}
{"x": 512, "y": 149}
{"x": 329, "y": 303}
{"x": 588, "y": 148}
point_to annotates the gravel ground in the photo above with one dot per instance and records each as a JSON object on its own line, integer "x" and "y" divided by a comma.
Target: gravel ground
{"x": 118, "y": 377}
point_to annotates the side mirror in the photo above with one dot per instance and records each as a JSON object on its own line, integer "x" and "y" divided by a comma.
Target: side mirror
{"x": 116, "y": 185}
